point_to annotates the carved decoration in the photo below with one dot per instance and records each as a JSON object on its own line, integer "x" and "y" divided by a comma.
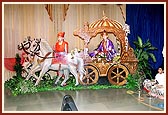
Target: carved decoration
{"x": 89, "y": 31}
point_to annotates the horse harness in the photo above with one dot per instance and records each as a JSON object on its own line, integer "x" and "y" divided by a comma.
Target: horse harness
{"x": 40, "y": 61}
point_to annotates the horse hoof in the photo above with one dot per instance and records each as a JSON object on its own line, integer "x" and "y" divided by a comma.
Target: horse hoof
{"x": 36, "y": 84}
{"x": 76, "y": 84}
{"x": 63, "y": 84}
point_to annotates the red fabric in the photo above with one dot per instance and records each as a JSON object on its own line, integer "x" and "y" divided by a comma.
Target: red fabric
{"x": 104, "y": 46}
{"x": 146, "y": 90}
{"x": 9, "y": 63}
{"x": 62, "y": 47}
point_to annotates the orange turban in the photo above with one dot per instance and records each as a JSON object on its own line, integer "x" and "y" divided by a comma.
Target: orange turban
{"x": 61, "y": 34}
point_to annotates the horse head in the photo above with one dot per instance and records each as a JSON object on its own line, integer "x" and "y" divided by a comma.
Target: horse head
{"x": 25, "y": 45}
{"x": 40, "y": 47}
{"x": 35, "y": 47}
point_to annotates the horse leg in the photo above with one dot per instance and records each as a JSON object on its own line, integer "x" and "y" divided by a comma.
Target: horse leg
{"x": 74, "y": 72}
{"x": 81, "y": 69}
{"x": 66, "y": 74}
{"x": 81, "y": 75}
{"x": 59, "y": 76}
{"x": 33, "y": 69}
{"x": 32, "y": 72}
{"x": 43, "y": 71}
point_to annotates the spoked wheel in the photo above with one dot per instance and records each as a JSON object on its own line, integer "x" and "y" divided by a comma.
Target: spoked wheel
{"x": 117, "y": 74}
{"x": 91, "y": 76}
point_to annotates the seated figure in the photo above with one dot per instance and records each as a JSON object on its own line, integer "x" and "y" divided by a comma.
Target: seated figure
{"x": 105, "y": 48}
{"x": 160, "y": 78}
{"x": 155, "y": 87}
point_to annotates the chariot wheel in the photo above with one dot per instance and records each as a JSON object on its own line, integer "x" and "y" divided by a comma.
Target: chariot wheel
{"x": 91, "y": 76}
{"x": 117, "y": 74}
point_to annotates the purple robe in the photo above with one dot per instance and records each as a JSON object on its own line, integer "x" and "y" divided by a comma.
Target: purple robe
{"x": 107, "y": 49}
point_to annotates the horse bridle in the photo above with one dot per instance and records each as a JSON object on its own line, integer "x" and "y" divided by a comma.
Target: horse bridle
{"x": 23, "y": 46}
{"x": 35, "y": 52}
{"x": 37, "y": 48}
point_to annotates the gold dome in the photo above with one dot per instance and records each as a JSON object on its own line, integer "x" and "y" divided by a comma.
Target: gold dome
{"x": 105, "y": 22}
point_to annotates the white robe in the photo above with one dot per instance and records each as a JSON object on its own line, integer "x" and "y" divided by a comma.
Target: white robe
{"x": 160, "y": 78}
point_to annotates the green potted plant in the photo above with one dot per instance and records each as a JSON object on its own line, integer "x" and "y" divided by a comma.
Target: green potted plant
{"x": 18, "y": 67}
{"x": 143, "y": 52}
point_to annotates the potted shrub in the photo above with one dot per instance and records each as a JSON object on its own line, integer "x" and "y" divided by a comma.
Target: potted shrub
{"x": 143, "y": 52}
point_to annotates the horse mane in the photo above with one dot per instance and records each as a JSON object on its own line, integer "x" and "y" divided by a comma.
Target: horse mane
{"x": 45, "y": 45}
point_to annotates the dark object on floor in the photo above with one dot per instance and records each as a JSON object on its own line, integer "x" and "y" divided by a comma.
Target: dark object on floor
{"x": 103, "y": 81}
{"x": 68, "y": 104}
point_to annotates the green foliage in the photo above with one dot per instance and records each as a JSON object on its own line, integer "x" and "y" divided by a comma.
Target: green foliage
{"x": 18, "y": 67}
{"x": 27, "y": 86}
{"x": 24, "y": 87}
{"x": 20, "y": 86}
{"x": 11, "y": 83}
{"x": 143, "y": 52}
{"x": 132, "y": 83}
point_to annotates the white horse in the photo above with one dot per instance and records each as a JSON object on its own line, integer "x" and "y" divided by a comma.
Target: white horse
{"x": 42, "y": 53}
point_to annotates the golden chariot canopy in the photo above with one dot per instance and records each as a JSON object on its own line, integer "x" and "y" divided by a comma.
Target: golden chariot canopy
{"x": 104, "y": 24}
{"x": 120, "y": 32}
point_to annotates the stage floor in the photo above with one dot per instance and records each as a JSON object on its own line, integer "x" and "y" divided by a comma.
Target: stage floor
{"x": 104, "y": 100}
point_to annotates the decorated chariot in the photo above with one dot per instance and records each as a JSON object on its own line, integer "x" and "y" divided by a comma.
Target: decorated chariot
{"x": 120, "y": 66}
